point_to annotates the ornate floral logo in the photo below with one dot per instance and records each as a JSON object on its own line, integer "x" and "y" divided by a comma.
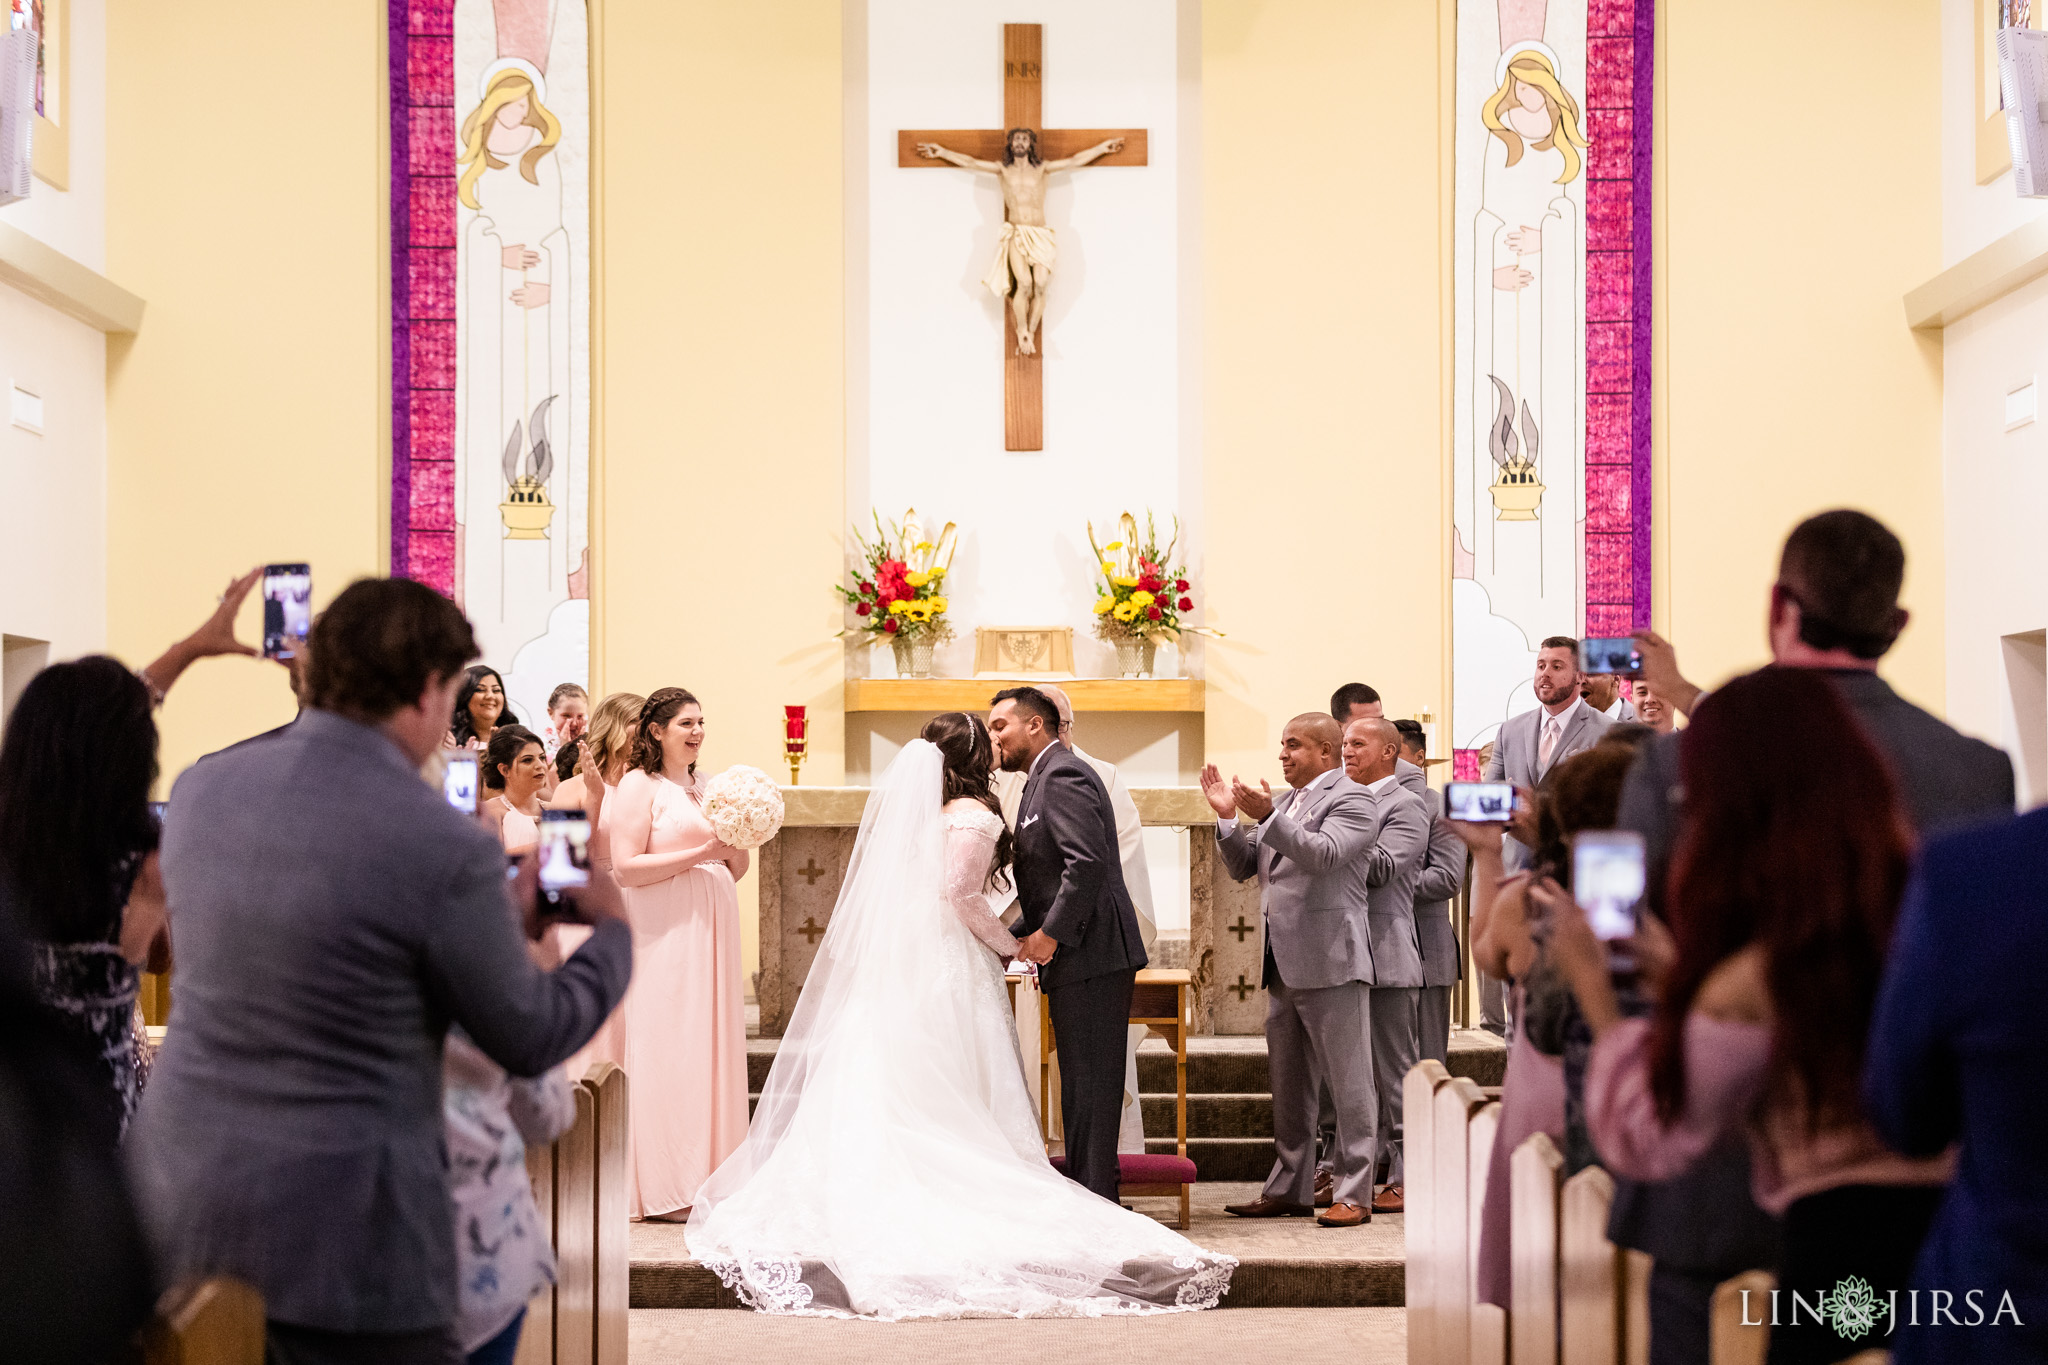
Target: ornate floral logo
{"x": 1852, "y": 1309}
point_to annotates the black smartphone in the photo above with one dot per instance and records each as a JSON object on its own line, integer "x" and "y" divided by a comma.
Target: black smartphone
{"x": 1608, "y": 879}
{"x": 1480, "y": 802}
{"x": 1616, "y": 654}
{"x": 287, "y": 608}
{"x": 564, "y": 855}
{"x": 458, "y": 779}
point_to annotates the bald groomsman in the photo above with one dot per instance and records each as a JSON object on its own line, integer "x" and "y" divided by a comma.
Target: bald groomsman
{"x": 1443, "y": 873}
{"x": 1371, "y": 748}
{"x": 1310, "y": 849}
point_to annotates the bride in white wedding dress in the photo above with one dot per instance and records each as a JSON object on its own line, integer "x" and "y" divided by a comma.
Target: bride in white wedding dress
{"x": 894, "y": 1168}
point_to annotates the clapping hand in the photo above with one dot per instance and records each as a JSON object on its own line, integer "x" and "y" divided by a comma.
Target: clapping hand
{"x": 1217, "y": 792}
{"x": 1256, "y": 805}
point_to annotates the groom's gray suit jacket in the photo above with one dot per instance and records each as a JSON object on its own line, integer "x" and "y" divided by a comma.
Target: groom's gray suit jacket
{"x": 1516, "y": 747}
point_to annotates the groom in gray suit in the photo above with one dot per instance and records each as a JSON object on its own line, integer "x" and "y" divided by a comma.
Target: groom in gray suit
{"x": 1310, "y": 848}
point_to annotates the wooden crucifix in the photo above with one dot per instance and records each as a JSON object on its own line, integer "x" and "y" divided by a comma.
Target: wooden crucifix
{"x": 1020, "y": 155}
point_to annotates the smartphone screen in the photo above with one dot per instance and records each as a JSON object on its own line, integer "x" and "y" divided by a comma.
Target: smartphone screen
{"x": 1608, "y": 880}
{"x": 287, "y": 608}
{"x": 156, "y": 813}
{"x": 1480, "y": 802}
{"x": 1610, "y": 654}
{"x": 458, "y": 780}
{"x": 564, "y": 852}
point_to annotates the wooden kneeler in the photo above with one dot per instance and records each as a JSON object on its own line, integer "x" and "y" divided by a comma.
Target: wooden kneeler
{"x": 1159, "y": 1001}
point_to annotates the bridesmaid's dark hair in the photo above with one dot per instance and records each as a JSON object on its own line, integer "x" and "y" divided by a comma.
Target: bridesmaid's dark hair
{"x": 659, "y": 709}
{"x": 970, "y": 757}
{"x": 507, "y": 743}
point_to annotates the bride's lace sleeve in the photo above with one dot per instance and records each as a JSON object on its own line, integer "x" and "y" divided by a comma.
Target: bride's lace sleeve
{"x": 970, "y": 849}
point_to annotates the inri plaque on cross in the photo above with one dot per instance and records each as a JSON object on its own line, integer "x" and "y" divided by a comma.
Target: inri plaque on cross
{"x": 1059, "y": 149}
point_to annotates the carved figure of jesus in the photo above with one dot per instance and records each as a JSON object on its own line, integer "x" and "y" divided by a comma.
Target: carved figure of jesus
{"x": 1025, "y": 250}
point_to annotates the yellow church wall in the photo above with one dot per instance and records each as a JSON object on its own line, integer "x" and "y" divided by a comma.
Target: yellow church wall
{"x": 1786, "y": 379}
{"x": 723, "y": 364}
{"x": 248, "y": 421}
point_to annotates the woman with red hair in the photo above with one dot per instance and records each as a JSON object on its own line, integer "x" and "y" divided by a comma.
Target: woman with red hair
{"x": 1785, "y": 882}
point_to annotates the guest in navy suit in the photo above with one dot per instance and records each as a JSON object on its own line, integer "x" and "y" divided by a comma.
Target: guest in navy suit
{"x": 1955, "y": 1057}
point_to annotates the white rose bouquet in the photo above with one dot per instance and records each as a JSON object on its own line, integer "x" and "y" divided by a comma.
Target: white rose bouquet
{"x": 744, "y": 806}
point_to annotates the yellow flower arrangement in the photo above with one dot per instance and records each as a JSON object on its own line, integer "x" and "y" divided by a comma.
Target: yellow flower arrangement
{"x": 1143, "y": 592}
{"x": 894, "y": 594}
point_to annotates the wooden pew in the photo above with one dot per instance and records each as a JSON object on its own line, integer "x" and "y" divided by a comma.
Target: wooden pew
{"x": 1489, "y": 1326}
{"x": 1418, "y": 1108}
{"x": 561, "y": 1323}
{"x": 1604, "y": 1304}
{"x": 1535, "y": 1183}
{"x": 614, "y": 1230}
{"x": 1729, "y": 1340}
{"x": 1457, "y": 1101}
{"x": 215, "y": 1322}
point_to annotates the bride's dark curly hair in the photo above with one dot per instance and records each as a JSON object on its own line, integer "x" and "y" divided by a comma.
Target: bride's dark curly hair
{"x": 970, "y": 757}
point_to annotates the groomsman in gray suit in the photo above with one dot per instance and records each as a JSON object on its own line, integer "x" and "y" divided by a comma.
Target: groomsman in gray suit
{"x": 1310, "y": 849}
{"x": 1442, "y": 874}
{"x": 1526, "y": 749}
{"x": 1400, "y": 841}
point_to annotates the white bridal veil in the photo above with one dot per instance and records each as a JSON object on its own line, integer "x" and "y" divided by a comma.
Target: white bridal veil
{"x": 894, "y": 1168}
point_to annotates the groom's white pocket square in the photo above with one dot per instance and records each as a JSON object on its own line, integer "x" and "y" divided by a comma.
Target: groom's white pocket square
{"x": 1029, "y": 821}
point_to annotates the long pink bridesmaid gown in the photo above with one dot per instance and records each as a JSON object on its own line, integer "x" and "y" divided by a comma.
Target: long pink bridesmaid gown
{"x": 685, "y": 1015}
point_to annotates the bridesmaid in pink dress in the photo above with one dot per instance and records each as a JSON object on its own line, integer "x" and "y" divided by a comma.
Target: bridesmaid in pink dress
{"x": 686, "y": 1027}
{"x": 607, "y": 752}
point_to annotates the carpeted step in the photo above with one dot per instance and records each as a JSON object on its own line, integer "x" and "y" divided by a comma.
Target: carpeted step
{"x": 1212, "y": 1116}
{"x": 1226, "y": 1158}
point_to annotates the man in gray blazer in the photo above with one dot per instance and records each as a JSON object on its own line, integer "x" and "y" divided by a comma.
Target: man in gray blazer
{"x": 1526, "y": 748}
{"x": 333, "y": 915}
{"x": 1835, "y": 609}
{"x": 1310, "y": 849}
{"x": 1400, "y": 840}
{"x": 1441, "y": 877}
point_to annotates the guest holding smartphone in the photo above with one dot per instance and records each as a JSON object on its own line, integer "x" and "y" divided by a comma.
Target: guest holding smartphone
{"x": 1785, "y": 881}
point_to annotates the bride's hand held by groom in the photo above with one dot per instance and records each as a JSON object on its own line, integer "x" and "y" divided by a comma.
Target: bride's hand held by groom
{"x": 1038, "y": 947}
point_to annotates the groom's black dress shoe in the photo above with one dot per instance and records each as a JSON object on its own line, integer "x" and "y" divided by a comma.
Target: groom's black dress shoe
{"x": 1263, "y": 1207}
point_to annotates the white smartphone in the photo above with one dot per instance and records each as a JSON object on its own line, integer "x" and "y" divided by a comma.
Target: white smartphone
{"x": 1608, "y": 879}
{"x": 564, "y": 853}
{"x": 1480, "y": 802}
{"x": 287, "y": 608}
{"x": 458, "y": 779}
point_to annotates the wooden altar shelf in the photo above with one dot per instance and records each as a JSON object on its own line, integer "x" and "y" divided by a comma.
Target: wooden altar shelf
{"x": 972, "y": 694}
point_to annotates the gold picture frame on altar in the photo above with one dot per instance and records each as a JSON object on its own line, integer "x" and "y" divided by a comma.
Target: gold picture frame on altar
{"x": 1024, "y": 651}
